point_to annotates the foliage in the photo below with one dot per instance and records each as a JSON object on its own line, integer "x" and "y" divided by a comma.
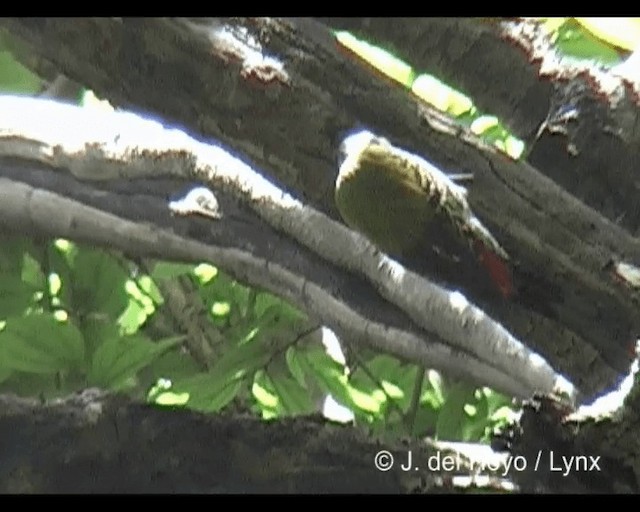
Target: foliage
{"x": 75, "y": 317}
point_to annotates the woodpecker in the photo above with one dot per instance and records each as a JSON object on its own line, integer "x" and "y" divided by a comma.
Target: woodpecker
{"x": 393, "y": 197}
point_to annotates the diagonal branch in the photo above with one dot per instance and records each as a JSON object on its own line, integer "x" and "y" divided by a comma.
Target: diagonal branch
{"x": 579, "y": 117}
{"x": 283, "y": 94}
{"x": 460, "y": 338}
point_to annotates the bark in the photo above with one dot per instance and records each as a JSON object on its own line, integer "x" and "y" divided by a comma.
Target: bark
{"x": 575, "y": 453}
{"x": 580, "y": 118}
{"x": 287, "y": 116}
{"x": 96, "y": 442}
{"x": 93, "y": 442}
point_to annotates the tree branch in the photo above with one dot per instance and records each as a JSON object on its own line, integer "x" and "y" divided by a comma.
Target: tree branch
{"x": 288, "y": 120}
{"x": 137, "y": 448}
{"x": 461, "y": 338}
{"x": 579, "y": 118}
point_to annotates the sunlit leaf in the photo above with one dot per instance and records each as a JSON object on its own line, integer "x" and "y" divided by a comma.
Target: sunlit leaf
{"x": 435, "y": 392}
{"x": 552, "y": 24}
{"x": 514, "y": 147}
{"x": 483, "y": 124}
{"x": 264, "y": 397}
{"x": 213, "y": 390}
{"x": 621, "y": 32}
{"x": 381, "y": 59}
{"x": 367, "y": 402}
{"x": 205, "y": 272}
{"x": 220, "y": 308}
{"x": 172, "y": 399}
{"x": 575, "y": 41}
{"x": 209, "y": 392}
{"x": 440, "y": 95}
{"x": 132, "y": 318}
{"x": 151, "y": 291}
{"x": 15, "y": 78}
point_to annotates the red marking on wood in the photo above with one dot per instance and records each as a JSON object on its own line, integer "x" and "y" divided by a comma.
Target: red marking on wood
{"x": 497, "y": 268}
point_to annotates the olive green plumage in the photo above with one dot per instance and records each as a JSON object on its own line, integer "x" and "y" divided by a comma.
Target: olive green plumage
{"x": 383, "y": 204}
{"x": 386, "y": 194}
{"x": 393, "y": 196}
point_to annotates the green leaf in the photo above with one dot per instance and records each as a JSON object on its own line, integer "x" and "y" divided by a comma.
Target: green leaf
{"x": 575, "y": 41}
{"x": 382, "y": 60}
{"x": 209, "y": 392}
{"x": 5, "y": 373}
{"x": 425, "y": 422}
{"x": 220, "y": 309}
{"x": 293, "y": 398}
{"x": 173, "y": 364}
{"x": 135, "y": 292}
{"x": 20, "y": 276}
{"x": 32, "y": 272}
{"x": 621, "y": 32}
{"x": 274, "y": 308}
{"x": 98, "y": 283}
{"x": 148, "y": 286}
{"x": 246, "y": 358}
{"x": 40, "y": 344}
{"x": 205, "y": 272}
{"x": 15, "y": 78}
{"x": 13, "y": 251}
{"x": 293, "y": 363}
{"x": 496, "y": 401}
{"x": 264, "y": 392}
{"x": 133, "y": 317}
{"x": 224, "y": 289}
{"x": 331, "y": 377}
{"x": 96, "y": 330}
{"x": 452, "y": 417}
{"x": 59, "y": 262}
{"x": 552, "y": 25}
{"x": 119, "y": 358}
{"x": 383, "y": 366}
{"x": 441, "y": 96}
{"x": 169, "y": 399}
{"x": 514, "y": 147}
{"x": 434, "y": 395}
{"x": 483, "y": 124}
{"x": 15, "y": 295}
{"x": 368, "y": 402}
{"x": 476, "y": 425}
{"x": 396, "y": 378}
